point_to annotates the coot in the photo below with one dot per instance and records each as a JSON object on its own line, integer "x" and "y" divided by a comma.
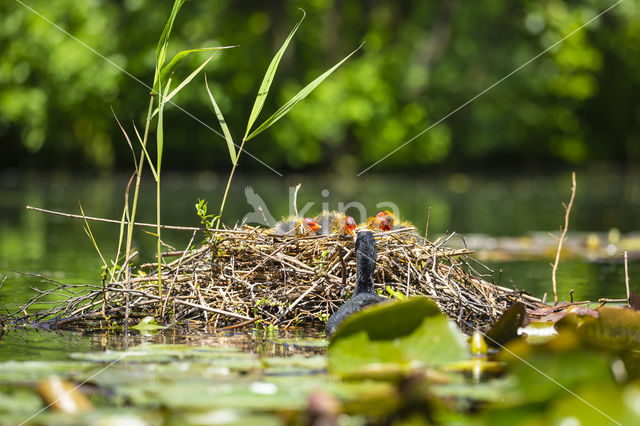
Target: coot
{"x": 364, "y": 294}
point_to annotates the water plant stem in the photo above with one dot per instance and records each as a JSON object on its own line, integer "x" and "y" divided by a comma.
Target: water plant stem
{"x": 226, "y": 191}
{"x": 159, "y": 242}
{"x": 134, "y": 207}
{"x": 626, "y": 277}
{"x": 567, "y": 208}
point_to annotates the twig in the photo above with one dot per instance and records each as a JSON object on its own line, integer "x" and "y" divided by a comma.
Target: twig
{"x": 295, "y": 198}
{"x": 626, "y": 277}
{"x": 426, "y": 229}
{"x": 149, "y": 225}
{"x": 242, "y": 324}
{"x": 562, "y": 237}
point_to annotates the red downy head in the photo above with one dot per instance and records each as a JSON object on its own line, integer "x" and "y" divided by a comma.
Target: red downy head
{"x": 349, "y": 225}
{"x": 383, "y": 223}
{"x": 310, "y": 225}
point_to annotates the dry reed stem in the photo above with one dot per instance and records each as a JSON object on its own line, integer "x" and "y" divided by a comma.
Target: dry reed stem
{"x": 567, "y": 208}
{"x": 626, "y": 277}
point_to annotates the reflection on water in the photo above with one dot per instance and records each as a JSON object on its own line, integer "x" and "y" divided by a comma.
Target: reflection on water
{"x": 40, "y": 344}
{"x": 498, "y": 205}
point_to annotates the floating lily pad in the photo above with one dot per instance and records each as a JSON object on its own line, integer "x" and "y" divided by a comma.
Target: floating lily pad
{"x": 506, "y": 328}
{"x": 391, "y": 338}
{"x": 147, "y": 325}
{"x": 615, "y": 328}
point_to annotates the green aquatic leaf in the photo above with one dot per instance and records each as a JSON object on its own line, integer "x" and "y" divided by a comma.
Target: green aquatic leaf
{"x": 223, "y": 124}
{"x": 615, "y": 328}
{"x": 168, "y": 70}
{"x": 388, "y": 321}
{"x": 539, "y": 332}
{"x": 163, "y": 42}
{"x": 284, "y": 109}
{"x": 566, "y": 359}
{"x": 388, "y": 339}
{"x": 147, "y": 324}
{"x": 263, "y": 91}
{"x": 506, "y": 328}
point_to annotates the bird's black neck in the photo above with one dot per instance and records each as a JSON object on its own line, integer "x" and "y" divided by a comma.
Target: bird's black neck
{"x": 365, "y": 262}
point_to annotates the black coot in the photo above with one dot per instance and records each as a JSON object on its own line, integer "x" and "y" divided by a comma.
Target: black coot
{"x": 364, "y": 295}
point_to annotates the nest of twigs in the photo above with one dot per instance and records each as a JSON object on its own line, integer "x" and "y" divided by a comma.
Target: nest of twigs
{"x": 245, "y": 275}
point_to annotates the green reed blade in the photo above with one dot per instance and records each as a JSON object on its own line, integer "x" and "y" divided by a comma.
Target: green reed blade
{"x": 223, "y": 124}
{"x": 268, "y": 79}
{"x": 283, "y": 110}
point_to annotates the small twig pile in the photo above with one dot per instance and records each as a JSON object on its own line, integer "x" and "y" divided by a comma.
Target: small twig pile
{"x": 245, "y": 275}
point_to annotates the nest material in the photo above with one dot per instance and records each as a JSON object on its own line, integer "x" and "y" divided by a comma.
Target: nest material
{"x": 248, "y": 274}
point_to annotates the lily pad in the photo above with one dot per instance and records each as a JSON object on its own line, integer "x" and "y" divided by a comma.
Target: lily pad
{"x": 394, "y": 338}
{"x": 506, "y": 328}
{"x": 615, "y": 328}
{"x": 147, "y": 325}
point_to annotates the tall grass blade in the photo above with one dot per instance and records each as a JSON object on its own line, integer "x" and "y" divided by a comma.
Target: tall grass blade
{"x": 186, "y": 81}
{"x": 268, "y": 79}
{"x": 160, "y": 129}
{"x": 223, "y": 124}
{"x": 87, "y": 230}
{"x": 126, "y": 136}
{"x": 168, "y": 70}
{"x": 146, "y": 153}
{"x": 284, "y": 109}
{"x": 161, "y": 50}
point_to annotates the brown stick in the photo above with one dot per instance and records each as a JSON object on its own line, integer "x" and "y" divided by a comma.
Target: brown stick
{"x": 426, "y": 229}
{"x": 567, "y": 209}
{"x": 242, "y": 324}
{"x": 150, "y": 225}
{"x": 626, "y": 277}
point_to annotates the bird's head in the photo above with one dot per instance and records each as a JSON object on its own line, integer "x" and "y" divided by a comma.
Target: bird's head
{"x": 349, "y": 225}
{"x": 310, "y": 225}
{"x": 382, "y": 223}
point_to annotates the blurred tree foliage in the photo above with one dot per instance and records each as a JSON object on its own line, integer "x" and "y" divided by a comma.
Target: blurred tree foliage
{"x": 576, "y": 104}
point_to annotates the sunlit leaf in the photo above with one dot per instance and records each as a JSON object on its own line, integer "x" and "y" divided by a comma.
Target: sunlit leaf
{"x": 168, "y": 70}
{"x": 160, "y": 129}
{"x": 268, "y": 79}
{"x": 391, "y": 338}
{"x": 147, "y": 324}
{"x": 283, "y": 110}
{"x": 223, "y": 124}
{"x": 161, "y": 49}
{"x": 146, "y": 153}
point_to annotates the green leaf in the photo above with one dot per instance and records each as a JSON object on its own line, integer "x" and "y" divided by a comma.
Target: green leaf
{"x": 391, "y": 338}
{"x": 223, "y": 124}
{"x": 147, "y": 324}
{"x": 506, "y": 328}
{"x": 283, "y": 110}
{"x": 268, "y": 79}
{"x": 160, "y": 131}
{"x": 161, "y": 50}
{"x": 168, "y": 70}
{"x": 146, "y": 153}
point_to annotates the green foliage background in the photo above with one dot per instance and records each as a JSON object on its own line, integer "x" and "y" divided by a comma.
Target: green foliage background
{"x": 575, "y": 105}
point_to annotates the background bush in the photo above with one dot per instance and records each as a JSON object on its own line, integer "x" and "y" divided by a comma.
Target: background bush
{"x": 575, "y": 105}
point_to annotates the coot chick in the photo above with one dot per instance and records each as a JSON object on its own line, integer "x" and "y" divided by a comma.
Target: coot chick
{"x": 364, "y": 294}
{"x": 295, "y": 226}
{"x": 335, "y": 223}
{"x": 378, "y": 222}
